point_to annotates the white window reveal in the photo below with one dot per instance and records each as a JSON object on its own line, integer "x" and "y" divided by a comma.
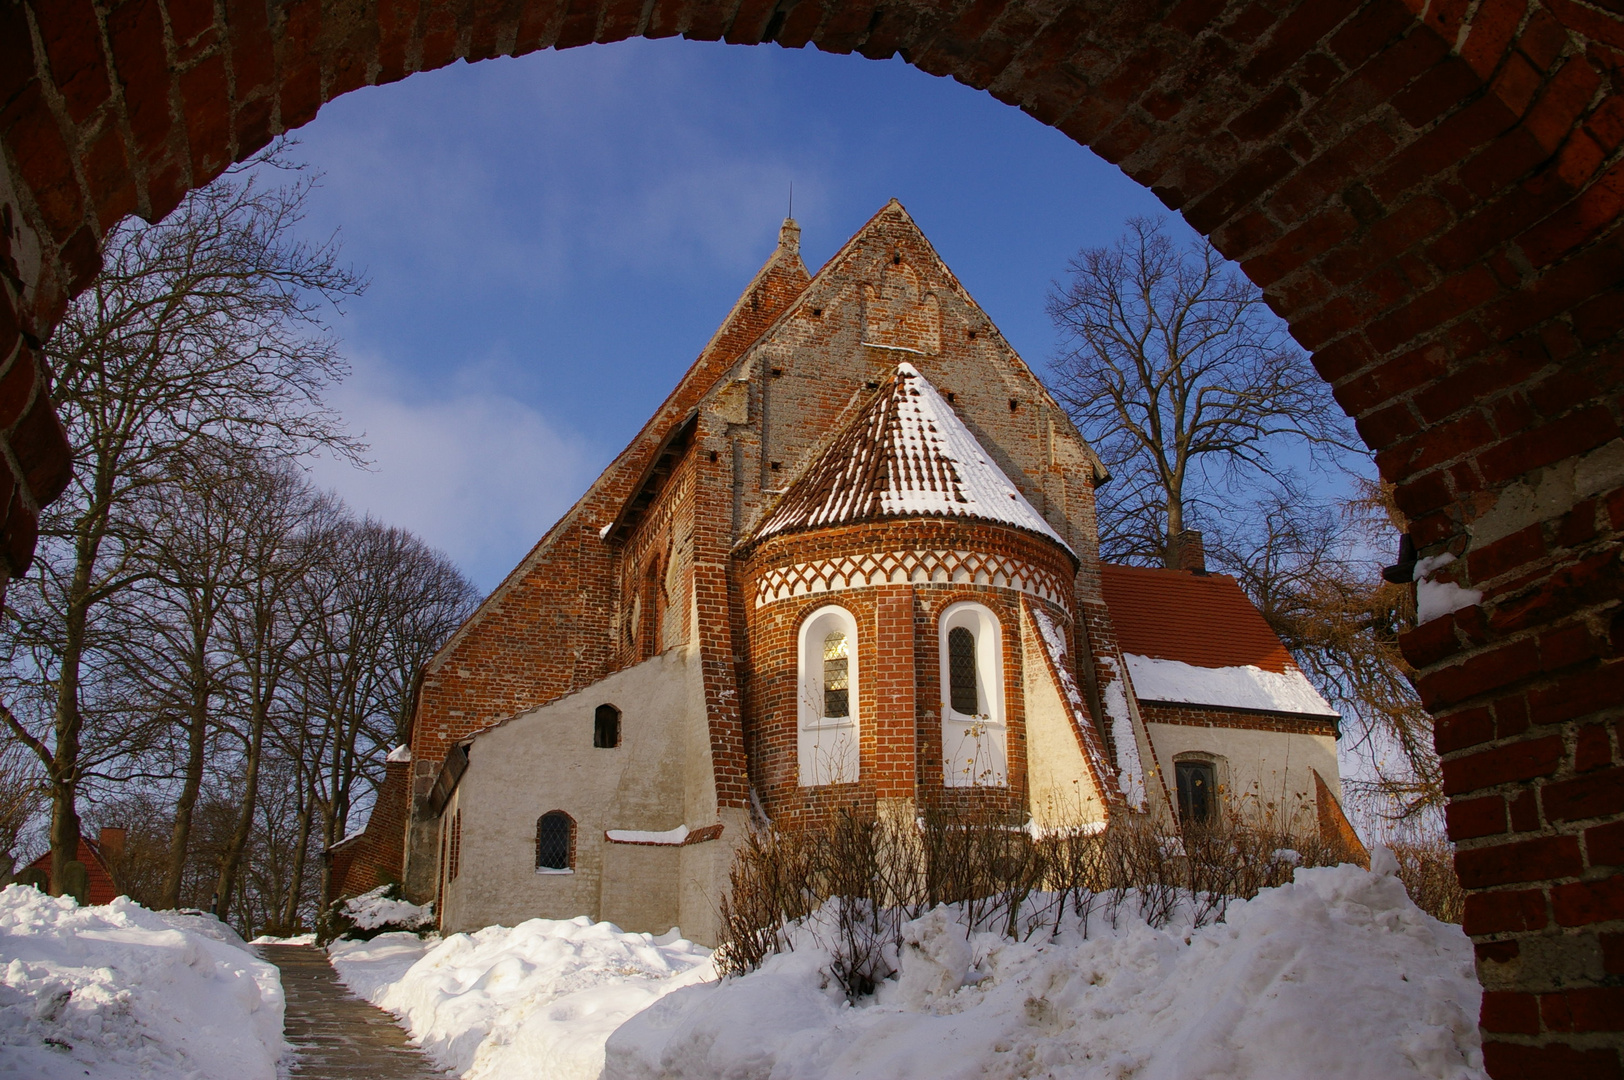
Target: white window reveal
{"x": 826, "y": 736}
{"x": 974, "y": 740}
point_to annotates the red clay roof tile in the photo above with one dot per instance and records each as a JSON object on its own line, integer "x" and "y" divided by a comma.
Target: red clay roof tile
{"x": 1204, "y": 620}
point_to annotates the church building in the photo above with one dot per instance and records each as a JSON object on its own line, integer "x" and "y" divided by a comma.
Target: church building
{"x": 851, "y": 560}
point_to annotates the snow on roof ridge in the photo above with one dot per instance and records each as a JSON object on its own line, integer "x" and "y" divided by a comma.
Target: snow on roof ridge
{"x": 905, "y": 454}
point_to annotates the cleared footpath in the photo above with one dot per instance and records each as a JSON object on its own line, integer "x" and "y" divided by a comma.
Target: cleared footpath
{"x": 334, "y": 1035}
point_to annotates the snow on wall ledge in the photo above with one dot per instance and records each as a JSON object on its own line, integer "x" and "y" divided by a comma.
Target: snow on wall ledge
{"x": 1434, "y": 599}
{"x": 1246, "y": 687}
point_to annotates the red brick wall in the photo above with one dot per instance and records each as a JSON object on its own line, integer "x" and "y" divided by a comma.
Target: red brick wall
{"x": 1428, "y": 191}
{"x": 374, "y": 858}
{"x": 898, "y": 661}
{"x": 1170, "y": 712}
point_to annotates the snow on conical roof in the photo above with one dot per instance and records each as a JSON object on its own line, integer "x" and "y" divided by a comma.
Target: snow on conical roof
{"x": 905, "y": 454}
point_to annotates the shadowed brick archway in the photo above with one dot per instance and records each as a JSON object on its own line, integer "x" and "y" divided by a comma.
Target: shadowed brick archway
{"x": 1428, "y": 190}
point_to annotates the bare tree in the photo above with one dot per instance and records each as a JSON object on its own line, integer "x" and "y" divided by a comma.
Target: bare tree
{"x": 1180, "y": 376}
{"x": 284, "y": 530}
{"x": 205, "y": 326}
{"x": 1310, "y": 568}
{"x": 390, "y": 602}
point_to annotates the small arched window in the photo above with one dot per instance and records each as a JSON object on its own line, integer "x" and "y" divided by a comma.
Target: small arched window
{"x": 974, "y": 740}
{"x": 606, "y": 727}
{"x": 827, "y": 673}
{"x": 555, "y": 843}
{"x": 1198, "y": 791}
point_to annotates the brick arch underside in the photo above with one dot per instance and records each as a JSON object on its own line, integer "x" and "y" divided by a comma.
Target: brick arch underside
{"x": 1428, "y": 190}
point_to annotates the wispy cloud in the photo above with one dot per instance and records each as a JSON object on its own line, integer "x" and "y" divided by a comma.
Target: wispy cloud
{"x": 474, "y": 472}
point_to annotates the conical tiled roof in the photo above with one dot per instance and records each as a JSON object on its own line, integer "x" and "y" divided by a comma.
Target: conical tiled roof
{"x": 905, "y": 454}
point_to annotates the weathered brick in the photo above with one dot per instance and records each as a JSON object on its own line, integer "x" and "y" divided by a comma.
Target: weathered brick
{"x": 1526, "y": 860}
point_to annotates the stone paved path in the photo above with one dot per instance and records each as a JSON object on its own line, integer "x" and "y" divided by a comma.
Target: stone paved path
{"x": 333, "y": 1034}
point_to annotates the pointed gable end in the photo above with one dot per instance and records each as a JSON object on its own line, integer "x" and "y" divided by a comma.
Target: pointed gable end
{"x": 905, "y": 453}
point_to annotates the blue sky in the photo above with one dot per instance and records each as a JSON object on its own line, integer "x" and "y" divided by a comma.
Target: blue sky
{"x": 551, "y": 240}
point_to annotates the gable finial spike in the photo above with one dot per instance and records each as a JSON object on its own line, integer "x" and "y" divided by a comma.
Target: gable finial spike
{"x": 789, "y": 237}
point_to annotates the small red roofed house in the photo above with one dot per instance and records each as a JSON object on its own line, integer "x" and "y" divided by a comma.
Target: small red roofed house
{"x": 851, "y": 560}
{"x": 99, "y": 856}
{"x": 1235, "y": 723}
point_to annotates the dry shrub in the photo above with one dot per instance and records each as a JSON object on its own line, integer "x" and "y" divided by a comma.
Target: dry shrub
{"x": 1427, "y": 868}
{"x": 850, "y": 880}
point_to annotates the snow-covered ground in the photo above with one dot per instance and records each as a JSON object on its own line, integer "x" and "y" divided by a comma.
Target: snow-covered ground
{"x": 118, "y": 992}
{"x": 1337, "y": 976}
{"x": 537, "y": 1000}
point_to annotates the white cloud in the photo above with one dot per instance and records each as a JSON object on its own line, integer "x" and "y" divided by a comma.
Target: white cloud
{"x": 474, "y": 471}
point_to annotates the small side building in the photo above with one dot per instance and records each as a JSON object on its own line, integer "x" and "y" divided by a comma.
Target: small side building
{"x": 100, "y": 857}
{"x": 1240, "y": 732}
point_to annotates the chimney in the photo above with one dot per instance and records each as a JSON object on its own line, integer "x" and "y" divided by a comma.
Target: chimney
{"x": 1189, "y": 553}
{"x": 111, "y": 842}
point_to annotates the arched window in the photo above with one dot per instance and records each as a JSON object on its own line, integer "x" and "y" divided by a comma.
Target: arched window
{"x": 974, "y": 741}
{"x": 606, "y": 727}
{"x": 827, "y": 675}
{"x": 555, "y": 843}
{"x": 1198, "y": 790}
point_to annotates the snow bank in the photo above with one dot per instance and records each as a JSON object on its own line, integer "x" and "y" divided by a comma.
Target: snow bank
{"x": 1337, "y": 976}
{"x": 1246, "y": 687}
{"x": 119, "y": 992}
{"x": 373, "y": 909}
{"x": 534, "y": 1002}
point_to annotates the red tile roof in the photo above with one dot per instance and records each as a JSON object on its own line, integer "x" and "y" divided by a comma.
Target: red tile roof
{"x": 1204, "y": 620}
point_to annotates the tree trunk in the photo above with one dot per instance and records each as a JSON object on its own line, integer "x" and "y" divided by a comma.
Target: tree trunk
{"x": 290, "y": 905}
{"x": 64, "y": 765}
{"x": 231, "y": 858}
{"x": 181, "y": 834}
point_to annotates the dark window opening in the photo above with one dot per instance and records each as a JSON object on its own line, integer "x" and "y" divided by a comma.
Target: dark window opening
{"x": 1198, "y": 791}
{"x": 606, "y": 727}
{"x": 455, "y": 862}
{"x": 554, "y": 833}
{"x": 961, "y": 671}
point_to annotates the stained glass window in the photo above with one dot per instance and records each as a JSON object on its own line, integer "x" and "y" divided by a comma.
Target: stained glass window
{"x": 961, "y": 671}
{"x": 836, "y": 676}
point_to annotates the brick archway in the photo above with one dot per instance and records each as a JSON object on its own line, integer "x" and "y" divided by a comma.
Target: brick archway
{"x": 1427, "y": 189}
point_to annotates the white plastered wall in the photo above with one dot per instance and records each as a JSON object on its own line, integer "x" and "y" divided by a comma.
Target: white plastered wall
{"x": 655, "y": 780}
{"x": 1060, "y": 787}
{"x": 1264, "y": 776}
